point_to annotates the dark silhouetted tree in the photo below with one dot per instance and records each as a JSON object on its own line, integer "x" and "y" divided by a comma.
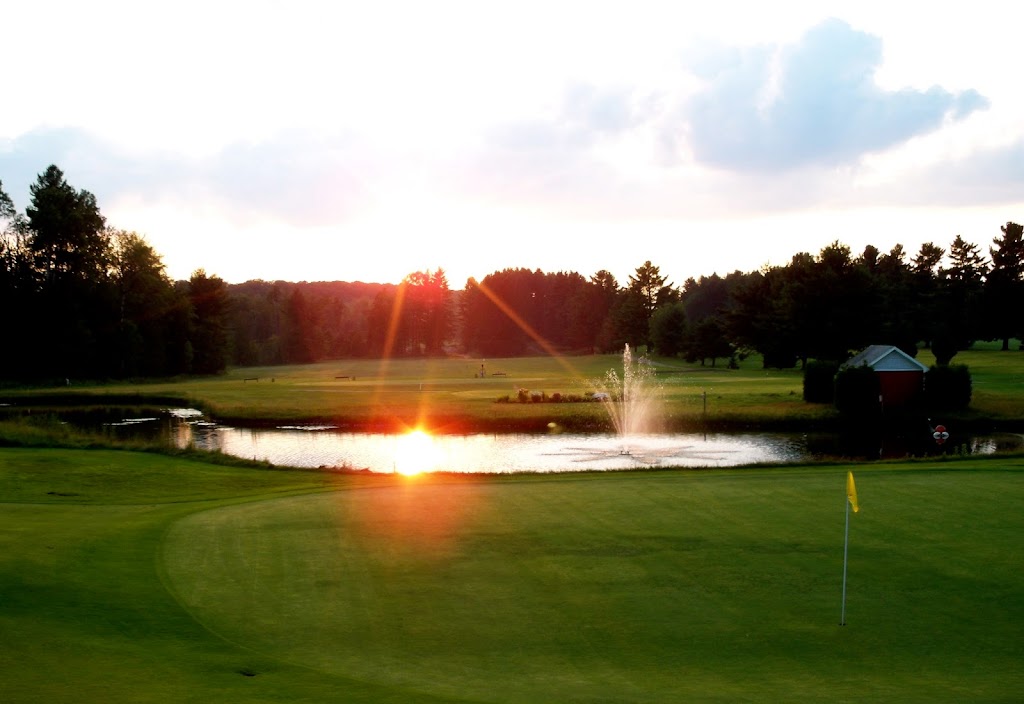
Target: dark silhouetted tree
{"x": 67, "y": 235}
{"x": 649, "y": 287}
{"x": 150, "y": 328}
{"x": 706, "y": 339}
{"x": 668, "y": 330}
{"x": 896, "y": 307}
{"x": 959, "y": 314}
{"x": 424, "y": 317}
{"x": 605, "y": 290}
{"x": 926, "y": 289}
{"x": 210, "y": 335}
{"x": 74, "y": 326}
{"x": 1005, "y": 286}
{"x": 628, "y": 321}
{"x": 758, "y": 318}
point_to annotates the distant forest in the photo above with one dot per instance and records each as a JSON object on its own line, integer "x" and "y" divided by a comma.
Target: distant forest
{"x": 82, "y": 300}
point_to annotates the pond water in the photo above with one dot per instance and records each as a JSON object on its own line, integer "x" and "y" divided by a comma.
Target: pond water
{"x": 325, "y": 446}
{"x": 499, "y": 452}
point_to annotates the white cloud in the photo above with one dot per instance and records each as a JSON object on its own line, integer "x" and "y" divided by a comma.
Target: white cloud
{"x": 815, "y": 102}
{"x": 384, "y": 134}
{"x": 294, "y": 177}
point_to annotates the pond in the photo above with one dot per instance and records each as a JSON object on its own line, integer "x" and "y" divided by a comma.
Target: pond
{"x": 327, "y": 447}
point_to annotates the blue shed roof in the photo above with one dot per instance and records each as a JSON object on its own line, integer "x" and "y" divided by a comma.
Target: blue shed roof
{"x": 886, "y": 358}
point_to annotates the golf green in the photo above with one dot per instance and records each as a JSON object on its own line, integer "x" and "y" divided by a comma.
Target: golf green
{"x": 643, "y": 587}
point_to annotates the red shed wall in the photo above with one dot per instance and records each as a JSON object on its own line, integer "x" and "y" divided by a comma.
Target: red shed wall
{"x": 900, "y": 388}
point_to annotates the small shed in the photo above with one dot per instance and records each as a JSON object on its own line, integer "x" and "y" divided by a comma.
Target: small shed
{"x": 900, "y": 376}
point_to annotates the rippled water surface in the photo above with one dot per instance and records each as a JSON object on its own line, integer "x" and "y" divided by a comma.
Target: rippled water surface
{"x": 321, "y": 446}
{"x": 497, "y": 452}
{"x": 325, "y": 446}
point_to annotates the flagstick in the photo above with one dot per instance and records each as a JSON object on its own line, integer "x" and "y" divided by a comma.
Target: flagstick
{"x": 846, "y": 547}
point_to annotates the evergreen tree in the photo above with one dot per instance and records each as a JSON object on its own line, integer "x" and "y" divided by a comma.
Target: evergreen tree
{"x": 961, "y": 312}
{"x": 648, "y": 287}
{"x": 595, "y": 311}
{"x": 927, "y": 292}
{"x": 425, "y": 315}
{"x": 7, "y": 210}
{"x": 210, "y": 335}
{"x": 73, "y": 329}
{"x": 1005, "y": 286}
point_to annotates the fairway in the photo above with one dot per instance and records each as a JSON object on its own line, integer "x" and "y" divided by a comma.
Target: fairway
{"x": 651, "y": 587}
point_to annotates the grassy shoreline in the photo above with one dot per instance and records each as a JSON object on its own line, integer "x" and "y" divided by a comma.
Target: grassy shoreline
{"x": 446, "y": 395}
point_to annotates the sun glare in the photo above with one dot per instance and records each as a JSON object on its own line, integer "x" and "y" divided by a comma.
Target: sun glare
{"x": 416, "y": 453}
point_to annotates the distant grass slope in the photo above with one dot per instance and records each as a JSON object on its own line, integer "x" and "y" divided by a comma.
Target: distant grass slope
{"x": 446, "y": 393}
{"x": 131, "y": 577}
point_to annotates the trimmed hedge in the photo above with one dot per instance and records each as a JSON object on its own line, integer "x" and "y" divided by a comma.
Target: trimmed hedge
{"x": 947, "y": 388}
{"x": 856, "y": 392}
{"x": 820, "y": 381}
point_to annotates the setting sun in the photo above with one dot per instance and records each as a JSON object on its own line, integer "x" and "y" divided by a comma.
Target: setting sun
{"x": 416, "y": 453}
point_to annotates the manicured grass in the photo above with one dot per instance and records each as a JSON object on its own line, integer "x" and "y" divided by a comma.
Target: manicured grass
{"x": 146, "y": 578}
{"x": 446, "y": 395}
{"x": 84, "y": 616}
{"x": 114, "y": 477}
{"x": 997, "y": 380}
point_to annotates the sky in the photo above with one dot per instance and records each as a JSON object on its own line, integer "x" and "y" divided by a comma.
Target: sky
{"x": 363, "y": 141}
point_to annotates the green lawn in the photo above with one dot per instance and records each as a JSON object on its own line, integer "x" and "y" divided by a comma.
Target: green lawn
{"x": 446, "y": 395}
{"x": 129, "y": 577}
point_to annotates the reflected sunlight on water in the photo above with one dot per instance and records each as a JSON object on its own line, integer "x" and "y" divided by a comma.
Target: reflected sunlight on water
{"x": 324, "y": 446}
{"x": 418, "y": 452}
{"x": 415, "y": 453}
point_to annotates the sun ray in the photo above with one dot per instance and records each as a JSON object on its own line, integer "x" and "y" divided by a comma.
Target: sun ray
{"x": 528, "y": 329}
{"x": 392, "y": 333}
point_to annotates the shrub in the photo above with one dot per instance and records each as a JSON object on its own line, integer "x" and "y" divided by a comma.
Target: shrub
{"x": 947, "y": 388}
{"x": 774, "y": 359}
{"x": 856, "y": 392}
{"x": 820, "y": 381}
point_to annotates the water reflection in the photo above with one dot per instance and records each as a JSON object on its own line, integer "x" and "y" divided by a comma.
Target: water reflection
{"x": 495, "y": 453}
{"x": 324, "y": 446}
{"x": 564, "y": 452}
{"x": 417, "y": 452}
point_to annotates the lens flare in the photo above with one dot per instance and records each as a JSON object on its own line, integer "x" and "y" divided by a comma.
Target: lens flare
{"x": 416, "y": 453}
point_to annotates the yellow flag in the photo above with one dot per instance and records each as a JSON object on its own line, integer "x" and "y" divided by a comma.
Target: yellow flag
{"x": 851, "y": 491}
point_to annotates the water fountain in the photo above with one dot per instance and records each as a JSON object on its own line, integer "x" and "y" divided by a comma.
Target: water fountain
{"x": 637, "y": 443}
{"x": 632, "y": 402}
{"x": 631, "y": 399}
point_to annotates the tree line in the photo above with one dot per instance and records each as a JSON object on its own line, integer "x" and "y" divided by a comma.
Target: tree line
{"x": 82, "y": 299}
{"x": 85, "y": 300}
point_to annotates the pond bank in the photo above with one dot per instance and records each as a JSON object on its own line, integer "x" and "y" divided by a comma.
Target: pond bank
{"x": 512, "y": 417}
